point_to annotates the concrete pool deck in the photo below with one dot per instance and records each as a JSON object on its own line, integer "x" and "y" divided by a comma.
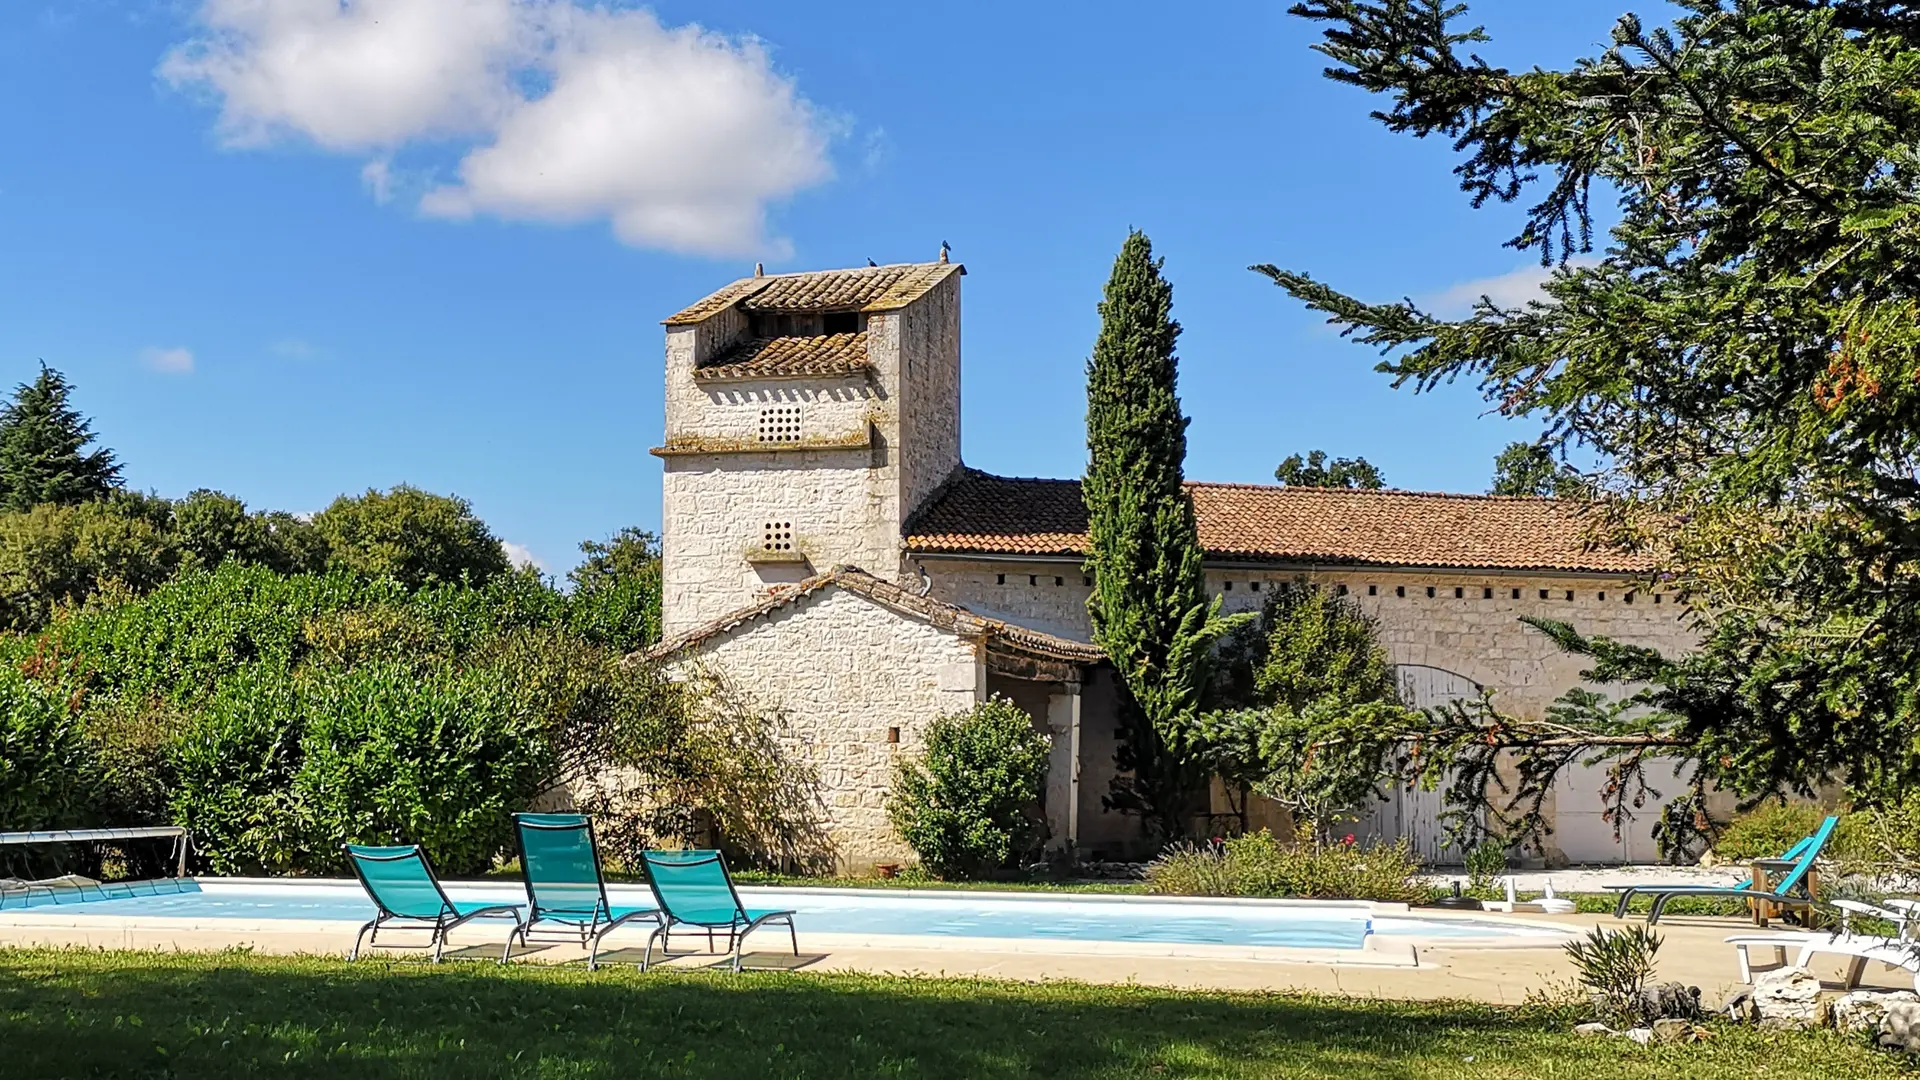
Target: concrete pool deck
{"x": 1692, "y": 952}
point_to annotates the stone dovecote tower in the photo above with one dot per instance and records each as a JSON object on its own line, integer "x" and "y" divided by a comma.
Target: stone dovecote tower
{"x": 808, "y": 416}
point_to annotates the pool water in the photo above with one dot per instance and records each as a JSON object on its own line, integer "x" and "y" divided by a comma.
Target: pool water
{"x": 873, "y": 914}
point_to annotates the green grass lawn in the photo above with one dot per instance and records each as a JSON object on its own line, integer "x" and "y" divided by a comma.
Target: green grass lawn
{"x": 80, "y": 1014}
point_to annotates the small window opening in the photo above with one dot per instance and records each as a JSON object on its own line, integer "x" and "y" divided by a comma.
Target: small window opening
{"x": 1516, "y": 594}
{"x": 1602, "y": 596}
{"x": 781, "y": 423}
{"x": 1543, "y": 594}
{"x": 1373, "y": 590}
{"x": 1059, "y": 581}
{"x": 1399, "y": 590}
{"x": 1033, "y": 579}
{"x": 1430, "y": 592}
{"x": 1458, "y": 592}
{"x": 1656, "y": 598}
{"x": 1226, "y": 586}
{"x": 893, "y": 734}
{"x": 1340, "y": 590}
{"x": 1255, "y": 586}
{"x": 1569, "y": 594}
{"x": 1000, "y": 579}
{"x": 1087, "y": 581}
{"x": 1628, "y": 598}
{"x": 840, "y": 322}
{"x": 1486, "y": 593}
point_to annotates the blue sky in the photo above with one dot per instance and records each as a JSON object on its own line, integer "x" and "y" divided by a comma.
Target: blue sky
{"x": 287, "y": 249}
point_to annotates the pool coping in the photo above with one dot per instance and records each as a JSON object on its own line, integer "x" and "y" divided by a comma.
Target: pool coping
{"x": 1377, "y": 950}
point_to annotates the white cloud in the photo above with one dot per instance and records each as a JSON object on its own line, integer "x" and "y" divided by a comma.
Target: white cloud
{"x": 521, "y": 555}
{"x": 175, "y": 361}
{"x": 1509, "y": 290}
{"x": 680, "y": 137}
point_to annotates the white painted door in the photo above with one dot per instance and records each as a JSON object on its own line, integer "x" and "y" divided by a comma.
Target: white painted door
{"x": 1416, "y": 814}
{"x": 1582, "y": 833}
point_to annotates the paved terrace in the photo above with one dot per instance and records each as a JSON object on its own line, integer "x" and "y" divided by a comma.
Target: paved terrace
{"x": 1693, "y": 953}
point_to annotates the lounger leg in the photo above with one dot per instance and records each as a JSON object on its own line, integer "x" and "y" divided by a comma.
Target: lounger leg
{"x": 1659, "y": 905}
{"x": 354, "y": 953}
{"x": 1620, "y": 909}
{"x": 439, "y": 939}
{"x": 647, "y": 957}
{"x": 593, "y": 956}
{"x": 1856, "y": 968}
{"x": 795, "y": 936}
{"x": 1746, "y": 964}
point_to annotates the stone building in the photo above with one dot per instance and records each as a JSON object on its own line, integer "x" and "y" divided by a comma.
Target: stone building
{"x": 824, "y": 546}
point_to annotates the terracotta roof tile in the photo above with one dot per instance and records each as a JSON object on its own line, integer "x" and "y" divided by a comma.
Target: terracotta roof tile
{"x": 827, "y": 354}
{"x": 869, "y": 289}
{"x": 951, "y": 617}
{"x": 993, "y": 515}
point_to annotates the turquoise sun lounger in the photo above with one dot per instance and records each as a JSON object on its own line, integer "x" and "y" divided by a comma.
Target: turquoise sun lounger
{"x": 695, "y": 891}
{"x": 560, "y": 863}
{"x": 1790, "y": 892}
{"x": 407, "y": 895}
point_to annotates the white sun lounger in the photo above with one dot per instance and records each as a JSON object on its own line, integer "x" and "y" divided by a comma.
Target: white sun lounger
{"x": 1857, "y": 948}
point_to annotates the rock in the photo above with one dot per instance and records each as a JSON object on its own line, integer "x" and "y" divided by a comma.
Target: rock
{"x": 1643, "y": 1036}
{"x": 1595, "y": 1028}
{"x": 1672, "y": 1030}
{"x": 1864, "y": 1010}
{"x": 1900, "y": 1028}
{"x": 1787, "y": 998}
{"x": 1671, "y": 999}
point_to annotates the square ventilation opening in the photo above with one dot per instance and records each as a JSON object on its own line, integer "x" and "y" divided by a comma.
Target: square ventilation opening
{"x": 780, "y": 424}
{"x": 777, "y": 537}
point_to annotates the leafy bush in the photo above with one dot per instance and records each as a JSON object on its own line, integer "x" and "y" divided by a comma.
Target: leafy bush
{"x": 969, "y": 803}
{"x": 616, "y": 591}
{"x": 392, "y": 757}
{"x": 1486, "y": 861}
{"x": 47, "y": 776}
{"x": 1766, "y": 831}
{"x": 686, "y": 759}
{"x": 1615, "y": 967}
{"x": 232, "y": 768}
{"x": 1260, "y": 865}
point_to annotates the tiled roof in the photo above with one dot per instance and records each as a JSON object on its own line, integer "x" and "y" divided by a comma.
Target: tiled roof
{"x": 869, "y": 289}
{"x": 950, "y": 617}
{"x": 827, "y": 354}
{"x": 993, "y": 515}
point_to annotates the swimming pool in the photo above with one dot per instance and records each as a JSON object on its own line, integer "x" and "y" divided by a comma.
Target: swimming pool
{"x": 878, "y": 915}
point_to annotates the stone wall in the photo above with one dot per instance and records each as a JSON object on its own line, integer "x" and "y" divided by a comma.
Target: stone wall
{"x": 929, "y": 353}
{"x": 1465, "y": 623}
{"x": 844, "y": 670}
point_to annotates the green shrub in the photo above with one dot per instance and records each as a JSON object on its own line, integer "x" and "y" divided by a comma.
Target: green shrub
{"x": 232, "y": 767}
{"x": 392, "y": 757}
{"x": 1766, "y": 831}
{"x": 1615, "y": 966}
{"x": 47, "y": 775}
{"x": 1260, "y": 865}
{"x": 969, "y": 803}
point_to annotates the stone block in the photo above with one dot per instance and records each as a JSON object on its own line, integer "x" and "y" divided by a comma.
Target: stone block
{"x": 1787, "y": 998}
{"x": 1866, "y": 1010}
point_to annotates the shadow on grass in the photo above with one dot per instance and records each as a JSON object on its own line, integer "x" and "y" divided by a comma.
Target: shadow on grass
{"x": 143, "y": 1014}
{"x": 76, "y": 1014}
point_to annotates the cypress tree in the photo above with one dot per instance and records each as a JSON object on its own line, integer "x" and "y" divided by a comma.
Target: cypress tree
{"x": 1149, "y": 605}
{"x": 43, "y": 442}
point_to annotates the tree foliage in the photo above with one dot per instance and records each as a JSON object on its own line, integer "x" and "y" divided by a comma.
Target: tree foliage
{"x": 1525, "y": 468}
{"x": 1743, "y": 358}
{"x": 43, "y": 449}
{"x": 1315, "y": 470}
{"x": 616, "y": 590}
{"x": 1324, "y": 710}
{"x": 1149, "y": 607}
{"x": 414, "y": 537}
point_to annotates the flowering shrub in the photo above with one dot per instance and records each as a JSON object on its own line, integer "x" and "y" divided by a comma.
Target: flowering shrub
{"x": 1260, "y": 865}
